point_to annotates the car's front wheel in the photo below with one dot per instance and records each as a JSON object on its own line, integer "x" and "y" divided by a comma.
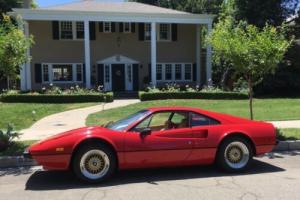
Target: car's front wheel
{"x": 94, "y": 163}
{"x": 234, "y": 154}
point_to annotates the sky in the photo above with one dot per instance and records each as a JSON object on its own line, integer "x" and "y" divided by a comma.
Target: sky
{"x": 44, "y": 3}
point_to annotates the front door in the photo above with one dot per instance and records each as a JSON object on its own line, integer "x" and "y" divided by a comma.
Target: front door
{"x": 118, "y": 77}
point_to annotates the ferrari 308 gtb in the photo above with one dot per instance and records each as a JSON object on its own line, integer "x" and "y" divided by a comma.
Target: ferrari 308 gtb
{"x": 156, "y": 137}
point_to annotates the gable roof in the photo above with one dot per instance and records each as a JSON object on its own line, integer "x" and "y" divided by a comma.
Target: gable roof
{"x": 118, "y": 7}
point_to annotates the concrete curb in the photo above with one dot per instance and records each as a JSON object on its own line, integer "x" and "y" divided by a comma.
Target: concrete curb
{"x": 20, "y": 161}
{"x": 15, "y": 161}
{"x": 287, "y": 146}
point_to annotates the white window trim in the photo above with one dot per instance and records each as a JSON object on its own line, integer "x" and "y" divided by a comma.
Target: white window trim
{"x": 74, "y": 31}
{"x": 173, "y": 72}
{"x": 103, "y": 27}
{"x": 74, "y": 73}
{"x": 158, "y": 39}
{"x": 129, "y": 30}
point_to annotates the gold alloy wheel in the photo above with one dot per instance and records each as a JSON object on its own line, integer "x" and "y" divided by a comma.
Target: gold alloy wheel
{"x": 94, "y": 164}
{"x": 237, "y": 155}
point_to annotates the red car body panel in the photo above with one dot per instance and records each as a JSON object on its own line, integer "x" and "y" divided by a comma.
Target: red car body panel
{"x": 174, "y": 147}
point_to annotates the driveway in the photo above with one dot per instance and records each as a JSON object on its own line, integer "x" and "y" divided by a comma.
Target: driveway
{"x": 67, "y": 120}
{"x": 270, "y": 178}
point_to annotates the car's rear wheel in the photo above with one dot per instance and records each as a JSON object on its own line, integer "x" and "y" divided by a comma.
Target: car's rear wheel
{"x": 94, "y": 163}
{"x": 234, "y": 154}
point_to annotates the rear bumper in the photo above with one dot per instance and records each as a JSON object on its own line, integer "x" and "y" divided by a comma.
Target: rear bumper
{"x": 262, "y": 149}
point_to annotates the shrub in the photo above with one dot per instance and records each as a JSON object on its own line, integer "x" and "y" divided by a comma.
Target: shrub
{"x": 147, "y": 96}
{"x": 57, "y": 98}
{"x": 6, "y": 138}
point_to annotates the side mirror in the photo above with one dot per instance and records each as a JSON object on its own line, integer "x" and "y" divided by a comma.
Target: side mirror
{"x": 146, "y": 131}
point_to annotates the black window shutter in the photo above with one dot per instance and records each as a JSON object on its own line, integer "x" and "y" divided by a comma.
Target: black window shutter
{"x": 101, "y": 27}
{"x": 38, "y": 73}
{"x": 92, "y": 31}
{"x": 55, "y": 30}
{"x": 100, "y": 74}
{"x": 141, "y": 31}
{"x": 132, "y": 27}
{"x": 135, "y": 77}
{"x": 150, "y": 72}
{"x": 195, "y": 72}
{"x": 121, "y": 27}
{"x": 174, "y": 32}
{"x": 83, "y": 72}
{"x": 113, "y": 27}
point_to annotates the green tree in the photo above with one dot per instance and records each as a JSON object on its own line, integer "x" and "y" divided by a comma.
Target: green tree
{"x": 252, "y": 52}
{"x": 13, "y": 48}
{"x": 258, "y": 12}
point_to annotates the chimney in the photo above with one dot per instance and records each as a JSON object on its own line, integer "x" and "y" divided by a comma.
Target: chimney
{"x": 27, "y": 3}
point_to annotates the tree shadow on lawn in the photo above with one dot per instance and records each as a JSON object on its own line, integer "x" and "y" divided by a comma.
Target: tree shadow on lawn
{"x": 60, "y": 180}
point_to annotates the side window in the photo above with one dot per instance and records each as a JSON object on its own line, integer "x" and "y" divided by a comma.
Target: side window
{"x": 201, "y": 120}
{"x": 156, "y": 122}
{"x": 180, "y": 120}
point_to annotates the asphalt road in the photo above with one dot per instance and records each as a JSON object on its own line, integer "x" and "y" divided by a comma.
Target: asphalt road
{"x": 268, "y": 178}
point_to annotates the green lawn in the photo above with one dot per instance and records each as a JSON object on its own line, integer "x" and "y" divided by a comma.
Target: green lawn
{"x": 264, "y": 109}
{"x": 20, "y": 114}
{"x": 289, "y": 134}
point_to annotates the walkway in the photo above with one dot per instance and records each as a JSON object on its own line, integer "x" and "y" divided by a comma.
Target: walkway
{"x": 287, "y": 124}
{"x": 67, "y": 120}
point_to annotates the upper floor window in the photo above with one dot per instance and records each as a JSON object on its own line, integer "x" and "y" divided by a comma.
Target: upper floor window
{"x": 164, "y": 32}
{"x": 70, "y": 30}
{"x": 127, "y": 27}
{"x": 107, "y": 27}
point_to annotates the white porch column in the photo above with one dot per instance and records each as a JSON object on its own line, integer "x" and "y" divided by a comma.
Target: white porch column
{"x": 198, "y": 53}
{"x": 27, "y": 64}
{"x": 87, "y": 54}
{"x": 153, "y": 54}
{"x": 208, "y": 54}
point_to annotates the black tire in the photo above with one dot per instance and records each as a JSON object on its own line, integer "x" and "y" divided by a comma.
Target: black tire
{"x": 223, "y": 160}
{"x": 87, "y": 148}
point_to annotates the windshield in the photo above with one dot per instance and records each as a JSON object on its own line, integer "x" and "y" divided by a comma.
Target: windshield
{"x": 122, "y": 124}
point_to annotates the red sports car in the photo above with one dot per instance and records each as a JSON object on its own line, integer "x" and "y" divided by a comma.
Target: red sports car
{"x": 156, "y": 137}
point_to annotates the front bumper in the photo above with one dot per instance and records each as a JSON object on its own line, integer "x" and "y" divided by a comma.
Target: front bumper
{"x": 26, "y": 154}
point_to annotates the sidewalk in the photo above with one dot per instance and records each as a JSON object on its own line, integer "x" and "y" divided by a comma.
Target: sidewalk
{"x": 67, "y": 120}
{"x": 286, "y": 124}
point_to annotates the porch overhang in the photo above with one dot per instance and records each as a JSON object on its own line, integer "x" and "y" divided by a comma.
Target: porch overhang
{"x": 44, "y": 14}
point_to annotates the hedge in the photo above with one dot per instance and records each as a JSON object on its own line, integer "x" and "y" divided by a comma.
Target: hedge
{"x": 147, "y": 96}
{"x": 56, "y": 98}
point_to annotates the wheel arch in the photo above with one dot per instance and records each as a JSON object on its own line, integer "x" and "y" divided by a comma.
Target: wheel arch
{"x": 93, "y": 140}
{"x": 238, "y": 134}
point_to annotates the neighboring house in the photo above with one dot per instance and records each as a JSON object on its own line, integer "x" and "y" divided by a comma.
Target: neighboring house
{"x": 129, "y": 45}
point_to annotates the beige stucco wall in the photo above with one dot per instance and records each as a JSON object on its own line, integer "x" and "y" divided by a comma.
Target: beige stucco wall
{"x": 106, "y": 45}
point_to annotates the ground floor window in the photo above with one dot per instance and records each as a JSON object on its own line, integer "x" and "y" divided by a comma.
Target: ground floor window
{"x": 60, "y": 73}
{"x": 174, "y": 72}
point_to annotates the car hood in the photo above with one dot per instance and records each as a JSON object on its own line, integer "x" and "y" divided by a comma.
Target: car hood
{"x": 78, "y": 131}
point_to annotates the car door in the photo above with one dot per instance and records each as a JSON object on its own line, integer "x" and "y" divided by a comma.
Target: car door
{"x": 165, "y": 145}
{"x": 205, "y": 130}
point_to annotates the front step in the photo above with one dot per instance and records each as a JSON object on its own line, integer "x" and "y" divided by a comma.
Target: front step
{"x": 126, "y": 95}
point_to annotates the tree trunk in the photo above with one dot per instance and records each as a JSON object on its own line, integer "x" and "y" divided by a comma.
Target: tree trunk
{"x": 8, "y": 83}
{"x": 250, "y": 89}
